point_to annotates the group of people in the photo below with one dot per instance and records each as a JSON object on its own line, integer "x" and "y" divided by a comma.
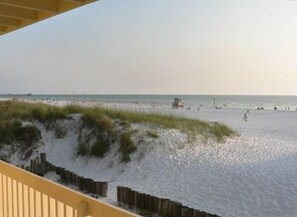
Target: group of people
{"x": 286, "y": 109}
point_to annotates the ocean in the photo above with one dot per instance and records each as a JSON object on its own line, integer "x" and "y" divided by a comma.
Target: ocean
{"x": 193, "y": 101}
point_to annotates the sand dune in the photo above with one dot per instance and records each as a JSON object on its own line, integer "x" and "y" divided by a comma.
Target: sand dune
{"x": 253, "y": 174}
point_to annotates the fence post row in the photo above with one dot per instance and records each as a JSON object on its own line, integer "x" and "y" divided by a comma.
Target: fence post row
{"x": 155, "y": 205}
{"x": 41, "y": 166}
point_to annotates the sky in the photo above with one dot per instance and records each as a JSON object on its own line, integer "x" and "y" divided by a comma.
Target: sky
{"x": 238, "y": 47}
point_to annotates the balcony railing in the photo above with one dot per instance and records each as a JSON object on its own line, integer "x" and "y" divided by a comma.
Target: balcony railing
{"x": 23, "y": 194}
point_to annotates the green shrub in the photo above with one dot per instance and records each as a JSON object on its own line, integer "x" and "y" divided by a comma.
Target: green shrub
{"x": 90, "y": 118}
{"x": 55, "y": 113}
{"x": 11, "y": 109}
{"x": 127, "y": 146}
{"x": 27, "y": 135}
{"x": 96, "y": 119}
{"x": 48, "y": 114}
{"x": 73, "y": 109}
{"x": 82, "y": 149}
{"x": 100, "y": 147}
{"x": 39, "y": 113}
{"x": 11, "y": 131}
{"x": 220, "y": 131}
{"x": 6, "y": 131}
{"x": 106, "y": 124}
{"x": 103, "y": 126}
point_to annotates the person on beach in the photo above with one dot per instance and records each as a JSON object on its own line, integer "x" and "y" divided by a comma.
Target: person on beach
{"x": 245, "y": 118}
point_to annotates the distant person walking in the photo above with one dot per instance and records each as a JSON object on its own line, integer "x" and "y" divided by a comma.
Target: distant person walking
{"x": 245, "y": 118}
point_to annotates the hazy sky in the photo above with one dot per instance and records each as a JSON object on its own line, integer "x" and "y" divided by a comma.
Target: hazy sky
{"x": 157, "y": 47}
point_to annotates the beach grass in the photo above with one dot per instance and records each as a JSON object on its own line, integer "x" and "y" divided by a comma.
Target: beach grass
{"x": 127, "y": 146}
{"x": 101, "y": 120}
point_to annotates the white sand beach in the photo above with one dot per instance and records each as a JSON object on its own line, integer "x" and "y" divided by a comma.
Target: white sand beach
{"x": 252, "y": 174}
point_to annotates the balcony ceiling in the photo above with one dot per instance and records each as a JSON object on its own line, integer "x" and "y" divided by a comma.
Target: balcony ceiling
{"x": 15, "y": 14}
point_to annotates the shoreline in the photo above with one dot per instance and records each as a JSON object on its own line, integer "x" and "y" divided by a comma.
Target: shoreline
{"x": 165, "y": 101}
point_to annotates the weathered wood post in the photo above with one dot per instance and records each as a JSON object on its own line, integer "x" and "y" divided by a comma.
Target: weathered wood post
{"x": 87, "y": 183}
{"x": 104, "y": 189}
{"x": 156, "y": 199}
{"x": 132, "y": 199}
{"x": 165, "y": 207}
{"x": 151, "y": 203}
{"x": 136, "y": 198}
{"x": 119, "y": 193}
{"x": 91, "y": 187}
{"x": 81, "y": 183}
{"x": 191, "y": 212}
{"x": 186, "y": 212}
{"x": 43, "y": 158}
{"x": 31, "y": 165}
{"x": 176, "y": 209}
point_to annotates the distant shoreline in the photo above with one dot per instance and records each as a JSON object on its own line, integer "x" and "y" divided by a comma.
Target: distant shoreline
{"x": 282, "y": 103}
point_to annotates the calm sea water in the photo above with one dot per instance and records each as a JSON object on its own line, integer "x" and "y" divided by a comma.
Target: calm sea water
{"x": 229, "y": 101}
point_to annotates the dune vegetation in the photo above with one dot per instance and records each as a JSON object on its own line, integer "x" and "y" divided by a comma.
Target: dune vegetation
{"x": 101, "y": 122}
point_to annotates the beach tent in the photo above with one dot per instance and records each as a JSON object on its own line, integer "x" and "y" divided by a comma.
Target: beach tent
{"x": 15, "y": 14}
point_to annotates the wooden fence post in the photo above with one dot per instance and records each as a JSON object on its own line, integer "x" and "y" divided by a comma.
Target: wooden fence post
{"x": 43, "y": 158}
{"x": 31, "y": 165}
{"x": 151, "y": 204}
{"x": 165, "y": 207}
{"x": 81, "y": 183}
{"x": 176, "y": 209}
{"x": 156, "y": 199}
{"x": 104, "y": 189}
{"x": 160, "y": 204}
{"x": 132, "y": 199}
{"x": 118, "y": 193}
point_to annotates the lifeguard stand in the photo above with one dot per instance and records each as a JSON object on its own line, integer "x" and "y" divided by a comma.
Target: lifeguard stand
{"x": 177, "y": 103}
